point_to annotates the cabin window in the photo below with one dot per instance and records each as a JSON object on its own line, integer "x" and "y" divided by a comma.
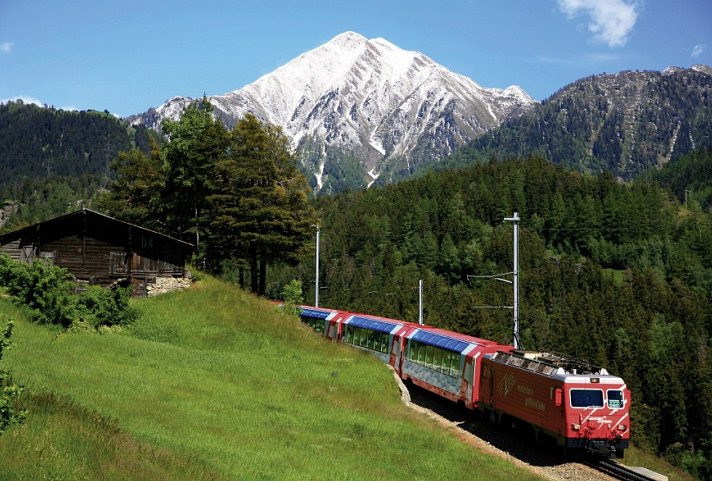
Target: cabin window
{"x": 146, "y": 242}
{"x": 615, "y": 399}
{"x": 586, "y": 398}
{"x": 48, "y": 258}
{"x": 27, "y": 254}
{"x": 119, "y": 264}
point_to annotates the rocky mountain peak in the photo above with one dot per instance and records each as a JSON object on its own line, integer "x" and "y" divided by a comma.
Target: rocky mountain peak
{"x": 358, "y": 109}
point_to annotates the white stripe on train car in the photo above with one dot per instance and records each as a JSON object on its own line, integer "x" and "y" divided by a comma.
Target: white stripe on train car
{"x": 469, "y": 348}
{"x": 615, "y": 426}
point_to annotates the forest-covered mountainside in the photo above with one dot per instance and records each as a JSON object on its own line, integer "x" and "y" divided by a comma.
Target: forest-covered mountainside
{"x": 44, "y": 142}
{"x": 618, "y": 274}
{"x": 689, "y": 178}
{"x": 50, "y": 159}
{"x": 627, "y": 124}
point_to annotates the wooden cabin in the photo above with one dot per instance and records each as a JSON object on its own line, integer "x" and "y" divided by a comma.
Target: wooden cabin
{"x": 98, "y": 249}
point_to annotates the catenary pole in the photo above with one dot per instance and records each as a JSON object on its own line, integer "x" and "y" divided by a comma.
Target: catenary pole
{"x": 420, "y": 302}
{"x": 515, "y": 274}
{"x": 316, "y": 285}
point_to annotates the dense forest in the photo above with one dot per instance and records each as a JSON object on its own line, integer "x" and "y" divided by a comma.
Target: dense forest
{"x": 618, "y": 274}
{"x": 52, "y": 161}
{"x": 236, "y": 194}
{"x": 43, "y": 142}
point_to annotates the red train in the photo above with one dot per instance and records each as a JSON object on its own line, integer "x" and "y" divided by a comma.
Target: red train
{"x": 582, "y": 408}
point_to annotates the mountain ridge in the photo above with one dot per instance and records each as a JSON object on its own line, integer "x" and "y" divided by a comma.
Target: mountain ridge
{"x": 624, "y": 123}
{"x": 385, "y": 108}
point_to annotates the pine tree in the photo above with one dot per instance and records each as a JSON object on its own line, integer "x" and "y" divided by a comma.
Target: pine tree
{"x": 134, "y": 195}
{"x": 196, "y": 143}
{"x": 259, "y": 201}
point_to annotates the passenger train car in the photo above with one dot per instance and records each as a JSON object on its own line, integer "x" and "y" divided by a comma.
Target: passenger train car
{"x": 581, "y": 407}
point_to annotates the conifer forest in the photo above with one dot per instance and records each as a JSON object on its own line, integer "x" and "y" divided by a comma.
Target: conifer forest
{"x": 617, "y": 273}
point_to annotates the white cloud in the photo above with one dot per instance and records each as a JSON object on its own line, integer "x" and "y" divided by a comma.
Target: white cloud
{"x": 697, "y": 50}
{"x": 26, "y": 100}
{"x": 6, "y": 47}
{"x": 611, "y": 21}
{"x": 31, "y": 100}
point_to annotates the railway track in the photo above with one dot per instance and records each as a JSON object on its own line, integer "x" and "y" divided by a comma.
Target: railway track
{"x": 617, "y": 471}
{"x": 519, "y": 445}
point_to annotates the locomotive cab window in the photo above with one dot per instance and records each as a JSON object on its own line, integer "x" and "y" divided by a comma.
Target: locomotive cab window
{"x": 586, "y": 398}
{"x": 615, "y": 399}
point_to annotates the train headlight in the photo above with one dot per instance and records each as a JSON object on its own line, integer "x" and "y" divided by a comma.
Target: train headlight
{"x": 575, "y": 427}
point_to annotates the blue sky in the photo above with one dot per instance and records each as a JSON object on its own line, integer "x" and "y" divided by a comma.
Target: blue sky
{"x": 126, "y": 56}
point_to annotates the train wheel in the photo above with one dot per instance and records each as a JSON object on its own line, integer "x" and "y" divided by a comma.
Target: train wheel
{"x": 493, "y": 417}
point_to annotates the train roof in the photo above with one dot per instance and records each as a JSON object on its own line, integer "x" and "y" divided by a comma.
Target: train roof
{"x": 434, "y": 336}
{"x": 556, "y": 366}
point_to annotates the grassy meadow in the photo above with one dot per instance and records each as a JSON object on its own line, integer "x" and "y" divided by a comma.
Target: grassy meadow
{"x": 211, "y": 384}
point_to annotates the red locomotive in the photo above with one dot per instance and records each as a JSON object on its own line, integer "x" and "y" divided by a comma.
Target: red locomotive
{"x": 581, "y": 407}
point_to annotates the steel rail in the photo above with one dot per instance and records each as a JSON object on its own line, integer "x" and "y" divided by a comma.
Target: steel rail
{"x": 617, "y": 471}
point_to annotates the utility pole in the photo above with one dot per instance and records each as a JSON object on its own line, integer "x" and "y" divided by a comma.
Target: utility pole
{"x": 515, "y": 274}
{"x": 316, "y": 285}
{"x": 420, "y": 302}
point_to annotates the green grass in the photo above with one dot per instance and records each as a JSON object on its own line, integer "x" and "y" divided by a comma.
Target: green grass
{"x": 213, "y": 383}
{"x": 618, "y": 275}
{"x": 639, "y": 457}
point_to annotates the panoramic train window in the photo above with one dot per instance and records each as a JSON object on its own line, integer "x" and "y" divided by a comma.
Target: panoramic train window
{"x": 316, "y": 324}
{"x": 615, "y": 399}
{"x": 373, "y": 340}
{"x": 586, "y": 398}
{"x": 442, "y": 360}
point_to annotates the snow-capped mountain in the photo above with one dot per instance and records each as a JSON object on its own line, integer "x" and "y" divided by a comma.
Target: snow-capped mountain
{"x": 356, "y": 109}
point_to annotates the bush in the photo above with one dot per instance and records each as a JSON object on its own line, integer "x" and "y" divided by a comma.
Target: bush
{"x": 9, "y": 414}
{"x": 45, "y": 289}
{"x": 49, "y": 292}
{"x": 106, "y": 307}
{"x": 292, "y": 296}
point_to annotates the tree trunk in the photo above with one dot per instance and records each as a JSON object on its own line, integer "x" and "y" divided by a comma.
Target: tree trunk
{"x": 263, "y": 276}
{"x": 253, "y": 273}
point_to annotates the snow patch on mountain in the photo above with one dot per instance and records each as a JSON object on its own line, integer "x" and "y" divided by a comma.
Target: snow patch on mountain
{"x": 368, "y": 98}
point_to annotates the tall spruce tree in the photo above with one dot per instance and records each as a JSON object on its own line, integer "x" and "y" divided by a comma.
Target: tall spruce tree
{"x": 196, "y": 143}
{"x": 259, "y": 201}
{"x": 135, "y": 193}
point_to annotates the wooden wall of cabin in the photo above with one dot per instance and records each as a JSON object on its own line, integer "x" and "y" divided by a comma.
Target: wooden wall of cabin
{"x": 87, "y": 258}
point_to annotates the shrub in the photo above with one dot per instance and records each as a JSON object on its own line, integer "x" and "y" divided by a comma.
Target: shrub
{"x": 106, "y": 307}
{"x": 9, "y": 414}
{"x": 49, "y": 292}
{"x": 292, "y": 296}
{"x": 50, "y": 295}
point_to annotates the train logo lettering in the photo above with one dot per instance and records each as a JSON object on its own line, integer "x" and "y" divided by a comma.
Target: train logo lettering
{"x": 507, "y": 383}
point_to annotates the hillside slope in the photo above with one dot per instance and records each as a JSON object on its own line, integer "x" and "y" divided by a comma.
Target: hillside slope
{"x": 239, "y": 390}
{"x": 625, "y": 123}
{"x": 41, "y": 142}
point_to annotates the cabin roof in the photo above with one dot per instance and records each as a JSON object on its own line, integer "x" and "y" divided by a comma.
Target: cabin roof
{"x": 50, "y": 223}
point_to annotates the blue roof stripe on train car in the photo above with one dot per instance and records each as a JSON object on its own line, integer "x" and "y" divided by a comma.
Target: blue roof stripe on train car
{"x": 372, "y": 324}
{"x": 440, "y": 341}
{"x": 314, "y": 313}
